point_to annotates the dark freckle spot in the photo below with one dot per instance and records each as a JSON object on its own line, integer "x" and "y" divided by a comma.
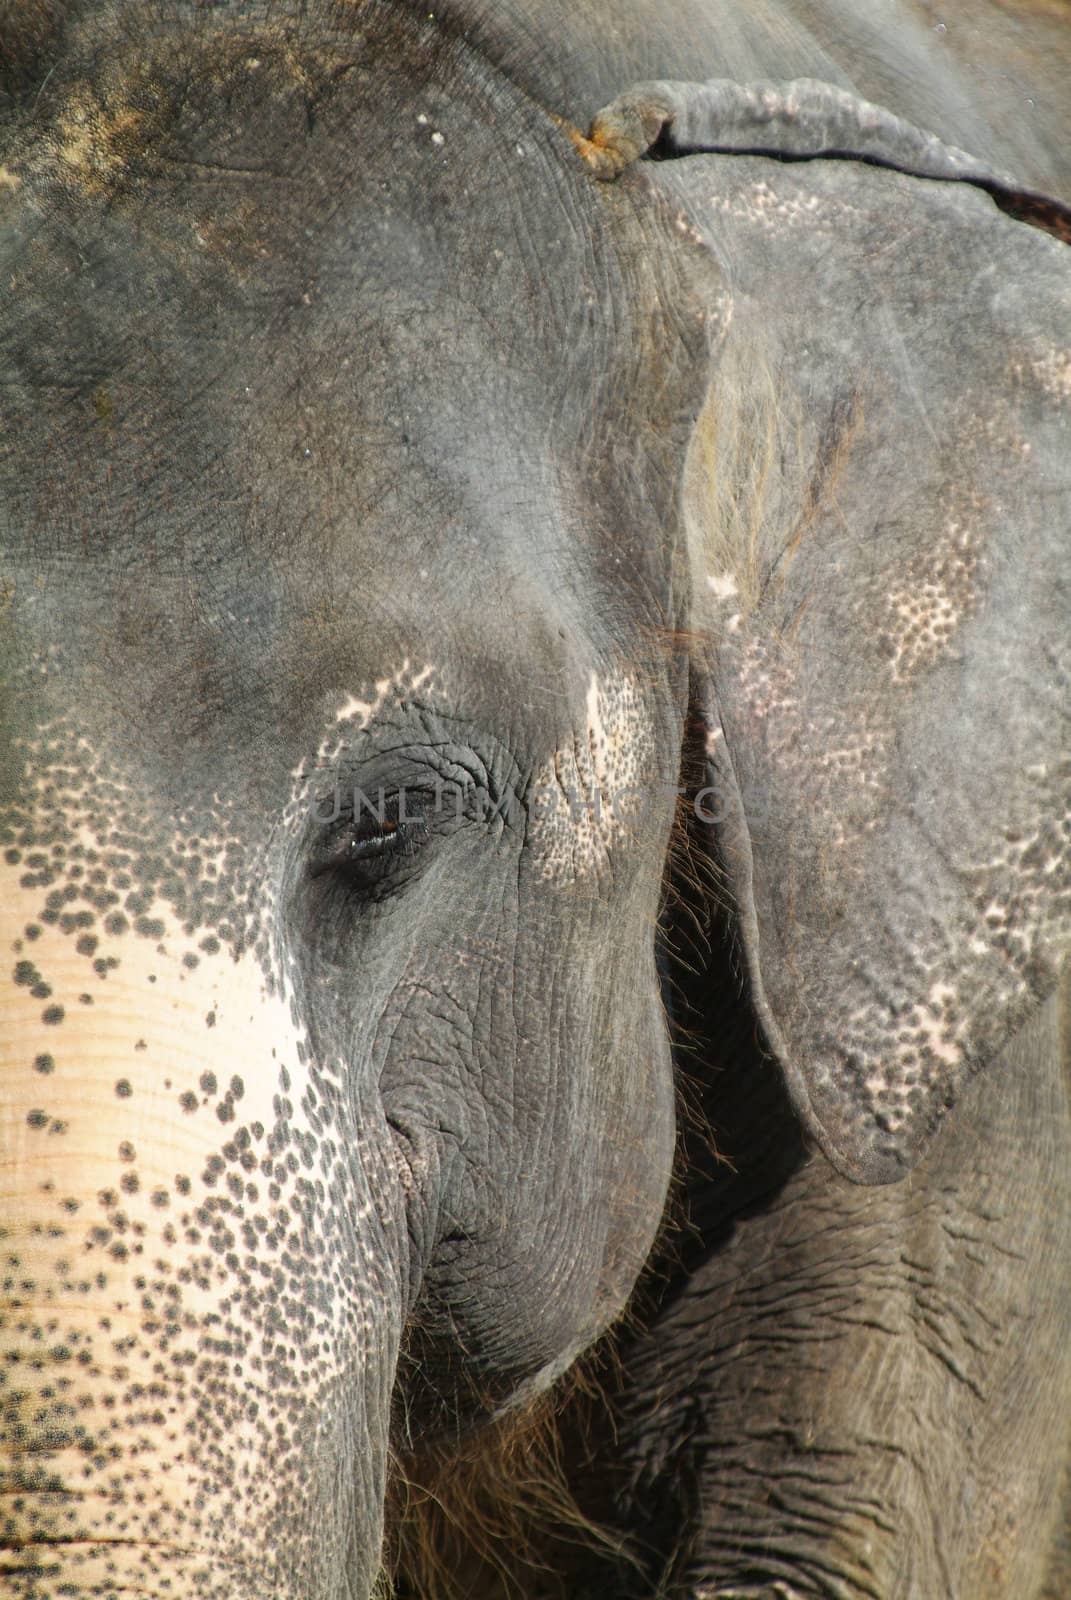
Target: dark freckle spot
{"x": 129, "y": 1183}
{"x": 182, "y": 1183}
{"x": 107, "y": 1197}
{"x": 123, "y": 1089}
{"x": 86, "y": 944}
{"x": 237, "y": 1088}
{"x": 70, "y": 1205}
{"x": 36, "y": 1119}
{"x": 85, "y": 999}
{"x": 13, "y": 857}
{"x": 190, "y": 961}
{"x": 208, "y": 1082}
{"x": 44, "y": 1063}
{"x": 52, "y": 1014}
{"x": 225, "y": 1111}
{"x": 149, "y": 927}
{"x": 188, "y": 1101}
{"x": 25, "y": 972}
{"x": 161, "y": 1199}
{"x": 210, "y": 946}
{"x": 127, "y": 1151}
{"x": 116, "y": 923}
{"x": 210, "y": 1020}
{"x": 152, "y": 977}
{"x": 32, "y": 930}
{"x": 41, "y": 991}
{"x": 141, "y": 1045}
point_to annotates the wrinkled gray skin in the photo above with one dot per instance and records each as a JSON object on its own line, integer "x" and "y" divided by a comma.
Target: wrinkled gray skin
{"x": 356, "y": 433}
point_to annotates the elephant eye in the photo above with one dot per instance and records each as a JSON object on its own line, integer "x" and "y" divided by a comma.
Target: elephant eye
{"x": 365, "y": 848}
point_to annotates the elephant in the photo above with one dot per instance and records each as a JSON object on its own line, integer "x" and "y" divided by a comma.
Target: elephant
{"x": 534, "y": 792}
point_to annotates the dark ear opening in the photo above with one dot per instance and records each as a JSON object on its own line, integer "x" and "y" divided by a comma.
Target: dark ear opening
{"x": 877, "y": 505}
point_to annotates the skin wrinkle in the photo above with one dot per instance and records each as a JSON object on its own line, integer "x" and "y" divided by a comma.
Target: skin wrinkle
{"x": 919, "y": 1277}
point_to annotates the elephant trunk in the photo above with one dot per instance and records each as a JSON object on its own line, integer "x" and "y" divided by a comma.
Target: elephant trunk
{"x": 200, "y": 1297}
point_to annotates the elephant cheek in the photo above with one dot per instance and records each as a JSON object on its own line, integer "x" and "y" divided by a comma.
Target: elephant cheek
{"x": 198, "y": 1280}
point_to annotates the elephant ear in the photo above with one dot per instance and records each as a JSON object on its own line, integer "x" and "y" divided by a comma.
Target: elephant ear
{"x": 877, "y": 503}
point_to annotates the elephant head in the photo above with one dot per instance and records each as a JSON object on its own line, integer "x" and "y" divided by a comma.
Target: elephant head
{"x": 334, "y": 624}
{"x": 390, "y": 506}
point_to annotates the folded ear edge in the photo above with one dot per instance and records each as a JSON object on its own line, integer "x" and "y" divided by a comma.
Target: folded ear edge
{"x": 801, "y": 120}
